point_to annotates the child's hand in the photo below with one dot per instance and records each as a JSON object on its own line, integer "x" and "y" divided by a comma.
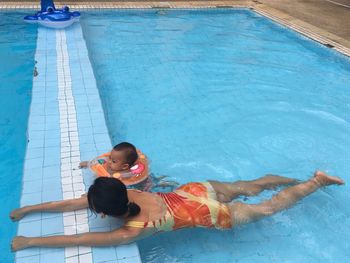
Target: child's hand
{"x": 83, "y": 164}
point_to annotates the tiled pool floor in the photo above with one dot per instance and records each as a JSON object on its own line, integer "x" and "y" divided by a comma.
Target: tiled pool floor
{"x": 66, "y": 125}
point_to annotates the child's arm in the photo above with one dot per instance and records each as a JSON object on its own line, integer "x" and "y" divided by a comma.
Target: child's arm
{"x": 83, "y": 164}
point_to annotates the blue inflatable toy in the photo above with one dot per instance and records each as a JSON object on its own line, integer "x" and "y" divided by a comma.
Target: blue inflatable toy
{"x": 49, "y": 16}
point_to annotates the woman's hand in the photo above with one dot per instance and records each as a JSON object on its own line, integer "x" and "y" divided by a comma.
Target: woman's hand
{"x": 17, "y": 214}
{"x": 19, "y": 243}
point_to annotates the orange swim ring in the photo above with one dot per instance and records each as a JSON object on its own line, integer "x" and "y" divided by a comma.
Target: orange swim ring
{"x": 135, "y": 175}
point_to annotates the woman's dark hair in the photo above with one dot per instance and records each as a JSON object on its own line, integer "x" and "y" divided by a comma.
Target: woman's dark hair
{"x": 129, "y": 150}
{"x": 109, "y": 196}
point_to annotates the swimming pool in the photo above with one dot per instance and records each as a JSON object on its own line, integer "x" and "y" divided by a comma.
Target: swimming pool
{"x": 227, "y": 95}
{"x": 17, "y": 47}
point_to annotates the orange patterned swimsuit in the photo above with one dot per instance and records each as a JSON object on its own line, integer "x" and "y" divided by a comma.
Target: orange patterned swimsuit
{"x": 190, "y": 205}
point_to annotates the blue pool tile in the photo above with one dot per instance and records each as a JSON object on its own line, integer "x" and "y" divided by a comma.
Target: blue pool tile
{"x": 30, "y": 228}
{"x": 37, "y": 111}
{"x": 30, "y": 259}
{"x": 32, "y": 187}
{"x": 130, "y": 260}
{"x": 49, "y": 195}
{"x": 85, "y": 139}
{"x": 50, "y": 77}
{"x": 83, "y": 109}
{"x": 52, "y": 116}
{"x": 53, "y": 134}
{"x": 32, "y": 217}
{"x": 36, "y": 126}
{"x": 28, "y": 252}
{"x": 85, "y": 132}
{"x": 51, "y": 161}
{"x": 33, "y": 174}
{"x": 104, "y": 147}
{"x": 88, "y": 179}
{"x": 50, "y": 226}
{"x": 35, "y": 153}
{"x": 51, "y": 70}
{"x": 54, "y": 151}
{"x": 31, "y": 199}
{"x": 52, "y": 171}
{"x": 51, "y": 85}
{"x": 87, "y": 147}
{"x": 101, "y": 137}
{"x": 84, "y": 119}
{"x": 56, "y": 256}
{"x": 51, "y": 126}
{"x": 52, "y": 112}
{"x": 45, "y": 215}
{"x": 104, "y": 254}
{"x": 36, "y": 134}
{"x": 39, "y": 143}
{"x": 96, "y": 110}
{"x": 88, "y": 155}
{"x": 125, "y": 251}
{"x": 52, "y": 142}
{"x": 33, "y": 163}
{"x": 52, "y": 183}
{"x": 37, "y": 119}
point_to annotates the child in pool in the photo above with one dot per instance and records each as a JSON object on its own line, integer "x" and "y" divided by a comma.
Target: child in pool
{"x": 124, "y": 162}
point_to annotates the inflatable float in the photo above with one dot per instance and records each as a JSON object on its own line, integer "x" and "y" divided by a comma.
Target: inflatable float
{"x": 135, "y": 175}
{"x": 51, "y": 17}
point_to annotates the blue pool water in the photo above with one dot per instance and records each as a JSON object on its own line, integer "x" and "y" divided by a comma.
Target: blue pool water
{"x": 230, "y": 95}
{"x": 17, "y": 48}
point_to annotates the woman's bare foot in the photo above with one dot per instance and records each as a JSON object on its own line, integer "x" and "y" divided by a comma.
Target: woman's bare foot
{"x": 324, "y": 179}
{"x": 17, "y": 214}
{"x": 19, "y": 243}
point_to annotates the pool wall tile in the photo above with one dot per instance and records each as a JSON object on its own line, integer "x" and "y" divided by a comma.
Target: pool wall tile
{"x": 66, "y": 125}
{"x": 29, "y": 259}
{"x": 56, "y": 256}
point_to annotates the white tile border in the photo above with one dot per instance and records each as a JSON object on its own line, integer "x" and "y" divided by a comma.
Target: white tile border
{"x": 304, "y": 31}
{"x": 72, "y": 183}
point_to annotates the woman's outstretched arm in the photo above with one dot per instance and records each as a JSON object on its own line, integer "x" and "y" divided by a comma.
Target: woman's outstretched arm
{"x": 58, "y": 206}
{"x": 120, "y": 236}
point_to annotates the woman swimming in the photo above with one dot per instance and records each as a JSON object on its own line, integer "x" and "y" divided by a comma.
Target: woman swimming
{"x": 190, "y": 205}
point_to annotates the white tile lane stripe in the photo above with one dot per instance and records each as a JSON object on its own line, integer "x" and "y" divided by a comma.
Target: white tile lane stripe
{"x": 92, "y": 123}
{"x": 71, "y": 180}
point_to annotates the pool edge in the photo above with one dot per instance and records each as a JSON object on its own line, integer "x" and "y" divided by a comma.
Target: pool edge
{"x": 319, "y": 35}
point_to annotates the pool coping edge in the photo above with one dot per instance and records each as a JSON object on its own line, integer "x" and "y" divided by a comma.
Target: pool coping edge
{"x": 319, "y": 35}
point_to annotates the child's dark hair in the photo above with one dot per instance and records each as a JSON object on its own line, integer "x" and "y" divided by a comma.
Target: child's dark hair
{"x": 129, "y": 150}
{"x": 109, "y": 196}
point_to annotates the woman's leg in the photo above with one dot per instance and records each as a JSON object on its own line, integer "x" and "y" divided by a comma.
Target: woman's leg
{"x": 58, "y": 206}
{"x": 245, "y": 213}
{"x": 227, "y": 191}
